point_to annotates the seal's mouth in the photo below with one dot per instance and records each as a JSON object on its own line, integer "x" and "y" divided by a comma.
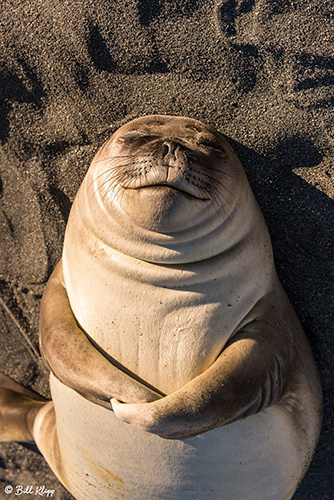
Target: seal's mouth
{"x": 158, "y": 187}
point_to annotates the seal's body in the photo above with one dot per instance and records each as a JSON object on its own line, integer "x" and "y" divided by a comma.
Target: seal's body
{"x": 168, "y": 268}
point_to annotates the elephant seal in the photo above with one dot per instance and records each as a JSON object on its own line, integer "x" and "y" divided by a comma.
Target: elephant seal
{"x": 165, "y": 321}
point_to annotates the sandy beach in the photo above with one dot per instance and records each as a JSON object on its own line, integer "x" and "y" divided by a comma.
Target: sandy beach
{"x": 261, "y": 72}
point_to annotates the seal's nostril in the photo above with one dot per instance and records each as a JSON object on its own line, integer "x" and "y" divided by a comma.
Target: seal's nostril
{"x": 165, "y": 150}
{"x": 169, "y": 148}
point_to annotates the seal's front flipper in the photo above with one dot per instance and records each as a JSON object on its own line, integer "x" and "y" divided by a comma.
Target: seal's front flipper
{"x": 247, "y": 377}
{"x": 74, "y": 360}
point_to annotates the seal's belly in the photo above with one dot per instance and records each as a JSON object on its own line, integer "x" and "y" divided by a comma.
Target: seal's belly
{"x": 165, "y": 333}
{"x": 104, "y": 458}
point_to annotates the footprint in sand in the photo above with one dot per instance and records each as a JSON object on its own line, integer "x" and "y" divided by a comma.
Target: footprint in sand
{"x": 274, "y": 34}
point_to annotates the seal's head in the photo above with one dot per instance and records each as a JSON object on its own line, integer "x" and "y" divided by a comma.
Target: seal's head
{"x": 165, "y": 170}
{"x": 161, "y": 187}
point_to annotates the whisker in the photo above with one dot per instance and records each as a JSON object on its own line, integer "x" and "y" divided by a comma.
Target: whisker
{"x": 214, "y": 187}
{"x": 216, "y": 181}
{"x": 110, "y": 158}
{"x": 103, "y": 173}
{"x": 118, "y": 176}
{"x": 110, "y": 171}
{"x": 206, "y": 174}
{"x": 203, "y": 163}
{"x": 103, "y": 183}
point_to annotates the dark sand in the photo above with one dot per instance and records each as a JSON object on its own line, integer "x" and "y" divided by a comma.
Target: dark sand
{"x": 260, "y": 71}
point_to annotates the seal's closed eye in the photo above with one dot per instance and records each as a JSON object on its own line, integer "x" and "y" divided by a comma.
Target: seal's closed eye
{"x": 138, "y": 137}
{"x": 210, "y": 144}
{"x": 133, "y": 134}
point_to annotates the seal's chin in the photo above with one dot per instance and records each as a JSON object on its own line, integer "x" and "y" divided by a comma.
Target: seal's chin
{"x": 161, "y": 207}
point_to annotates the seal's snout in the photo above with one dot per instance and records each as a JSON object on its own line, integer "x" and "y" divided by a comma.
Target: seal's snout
{"x": 169, "y": 154}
